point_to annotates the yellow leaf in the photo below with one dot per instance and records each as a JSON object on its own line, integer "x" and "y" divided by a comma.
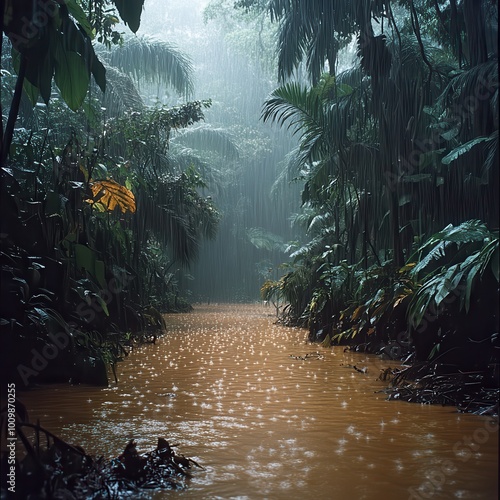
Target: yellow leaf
{"x": 407, "y": 267}
{"x": 111, "y": 195}
{"x": 398, "y": 301}
{"x": 357, "y": 312}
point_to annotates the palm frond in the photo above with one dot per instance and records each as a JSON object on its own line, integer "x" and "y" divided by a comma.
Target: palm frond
{"x": 152, "y": 60}
{"x": 121, "y": 93}
{"x": 315, "y": 247}
{"x": 480, "y": 81}
{"x": 313, "y": 31}
{"x": 178, "y": 216}
{"x": 205, "y": 137}
{"x": 466, "y": 147}
{"x": 263, "y": 239}
{"x": 303, "y": 111}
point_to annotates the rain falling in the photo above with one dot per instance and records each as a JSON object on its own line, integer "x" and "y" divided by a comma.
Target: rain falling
{"x": 249, "y": 249}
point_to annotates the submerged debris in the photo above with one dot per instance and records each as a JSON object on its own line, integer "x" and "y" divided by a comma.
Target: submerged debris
{"x": 48, "y": 467}
{"x": 363, "y": 369}
{"x": 309, "y": 355}
{"x": 160, "y": 468}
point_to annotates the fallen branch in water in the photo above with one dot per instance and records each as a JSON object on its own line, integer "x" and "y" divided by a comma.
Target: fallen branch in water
{"x": 364, "y": 369}
{"x": 309, "y": 355}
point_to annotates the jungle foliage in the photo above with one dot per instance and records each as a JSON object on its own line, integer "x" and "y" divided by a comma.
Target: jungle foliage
{"x": 398, "y": 156}
{"x": 98, "y": 211}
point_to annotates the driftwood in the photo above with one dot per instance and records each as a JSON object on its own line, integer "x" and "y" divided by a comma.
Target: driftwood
{"x": 307, "y": 356}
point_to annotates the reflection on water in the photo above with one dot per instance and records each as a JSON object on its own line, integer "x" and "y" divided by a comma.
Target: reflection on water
{"x": 229, "y": 387}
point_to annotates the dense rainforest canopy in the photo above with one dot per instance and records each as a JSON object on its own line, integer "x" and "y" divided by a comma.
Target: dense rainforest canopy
{"x": 399, "y": 158}
{"x": 96, "y": 206}
{"x": 108, "y": 189}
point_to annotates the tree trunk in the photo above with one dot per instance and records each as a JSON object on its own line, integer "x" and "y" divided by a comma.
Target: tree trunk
{"x": 475, "y": 30}
{"x": 13, "y": 112}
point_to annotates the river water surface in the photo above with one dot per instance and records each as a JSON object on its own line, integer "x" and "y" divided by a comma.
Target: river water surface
{"x": 228, "y": 386}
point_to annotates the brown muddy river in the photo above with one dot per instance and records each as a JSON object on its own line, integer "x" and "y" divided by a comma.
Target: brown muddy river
{"x": 225, "y": 385}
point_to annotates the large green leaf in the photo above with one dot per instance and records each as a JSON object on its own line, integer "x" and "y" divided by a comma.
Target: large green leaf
{"x": 463, "y": 148}
{"x": 80, "y": 17}
{"x": 444, "y": 285}
{"x": 31, "y": 91}
{"x": 130, "y": 11}
{"x": 495, "y": 263}
{"x": 45, "y": 75}
{"x": 456, "y": 280}
{"x": 98, "y": 72}
{"x": 467, "y": 232}
{"x": 72, "y": 77}
{"x": 86, "y": 258}
{"x": 39, "y": 73}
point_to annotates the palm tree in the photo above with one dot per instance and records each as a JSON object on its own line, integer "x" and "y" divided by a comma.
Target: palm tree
{"x": 314, "y": 31}
{"x": 341, "y": 156}
{"x": 136, "y": 65}
{"x": 394, "y": 108}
